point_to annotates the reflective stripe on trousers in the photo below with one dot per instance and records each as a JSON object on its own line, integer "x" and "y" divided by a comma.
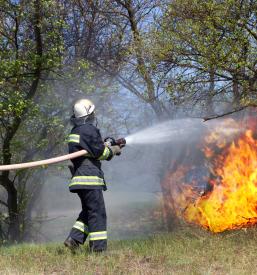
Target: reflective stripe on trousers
{"x": 95, "y": 236}
{"x": 81, "y": 227}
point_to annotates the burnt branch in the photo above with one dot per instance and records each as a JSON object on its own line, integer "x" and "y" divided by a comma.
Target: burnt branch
{"x": 230, "y": 112}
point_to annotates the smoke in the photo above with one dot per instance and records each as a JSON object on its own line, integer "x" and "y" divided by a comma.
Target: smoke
{"x": 133, "y": 179}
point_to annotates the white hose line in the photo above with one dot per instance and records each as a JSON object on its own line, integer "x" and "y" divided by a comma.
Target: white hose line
{"x": 42, "y": 162}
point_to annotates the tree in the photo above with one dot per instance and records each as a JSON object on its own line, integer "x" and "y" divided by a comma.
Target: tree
{"x": 209, "y": 50}
{"x": 30, "y": 45}
{"x": 112, "y": 37}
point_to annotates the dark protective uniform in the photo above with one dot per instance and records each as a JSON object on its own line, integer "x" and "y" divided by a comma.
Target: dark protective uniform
{"x": 88, "y": 182}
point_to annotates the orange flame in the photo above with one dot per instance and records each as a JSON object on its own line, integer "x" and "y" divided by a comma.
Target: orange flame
{"x": 231, "y": 199}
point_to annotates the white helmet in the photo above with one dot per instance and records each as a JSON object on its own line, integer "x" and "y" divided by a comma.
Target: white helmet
{"x": 83, "y": 107}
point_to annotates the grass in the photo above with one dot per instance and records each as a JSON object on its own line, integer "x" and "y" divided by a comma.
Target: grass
{"x": 186, "y": 250}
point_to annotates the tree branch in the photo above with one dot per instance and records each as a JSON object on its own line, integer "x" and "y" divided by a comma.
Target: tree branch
{"x": 229, "y": 113}
{"x": 121, "y": 80}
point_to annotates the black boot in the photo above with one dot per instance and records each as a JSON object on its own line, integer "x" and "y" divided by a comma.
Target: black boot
{"x": 71, "y": 243}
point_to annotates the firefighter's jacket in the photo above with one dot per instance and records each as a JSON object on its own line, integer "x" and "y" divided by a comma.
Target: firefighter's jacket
{"x": 87, "y": 169}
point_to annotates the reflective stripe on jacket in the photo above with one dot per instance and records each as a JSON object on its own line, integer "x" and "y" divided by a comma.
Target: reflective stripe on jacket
{"x": 86, "y": 180}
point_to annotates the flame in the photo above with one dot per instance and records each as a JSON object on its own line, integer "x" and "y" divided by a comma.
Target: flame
{"x": 230, "y": 201}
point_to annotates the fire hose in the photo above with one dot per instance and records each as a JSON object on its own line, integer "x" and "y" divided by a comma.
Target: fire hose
{"x": 109, "y": 141}
{"x": 43, "y": 162}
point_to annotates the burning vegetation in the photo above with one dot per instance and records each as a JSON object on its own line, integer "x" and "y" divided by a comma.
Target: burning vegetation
{"x": 217, "y": 188}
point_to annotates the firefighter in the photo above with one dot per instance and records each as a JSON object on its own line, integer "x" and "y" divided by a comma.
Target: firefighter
{"x": 88, "y": 178}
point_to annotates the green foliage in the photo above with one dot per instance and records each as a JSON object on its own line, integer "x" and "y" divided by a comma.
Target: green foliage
{"x": 19, "y": 56}
{"x": 200, "y": 38}
{"x": 31, "y": 49}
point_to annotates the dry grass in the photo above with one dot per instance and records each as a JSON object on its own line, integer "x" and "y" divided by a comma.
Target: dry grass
{"x": 186, "y": 250}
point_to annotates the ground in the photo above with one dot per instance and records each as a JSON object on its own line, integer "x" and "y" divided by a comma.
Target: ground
{"x": 186, "y": 250}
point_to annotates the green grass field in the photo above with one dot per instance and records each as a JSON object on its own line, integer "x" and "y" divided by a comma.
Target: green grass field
{"x": 186, "y": 250}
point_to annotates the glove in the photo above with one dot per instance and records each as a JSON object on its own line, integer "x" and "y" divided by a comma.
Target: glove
{"x": 115, "y": 150}
{"x": 109, "y": 141}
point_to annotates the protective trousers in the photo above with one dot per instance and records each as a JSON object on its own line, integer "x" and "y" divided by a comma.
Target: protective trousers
{"x": 91, "y": 222}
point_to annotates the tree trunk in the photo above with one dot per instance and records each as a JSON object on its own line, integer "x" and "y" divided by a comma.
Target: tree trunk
{"x": 236, "y": 92}
{"x": 210, "y": 109}
{"x": 13, "y": 233}
{"x": 142, "y": 68}
{"x": 14, "y": 222}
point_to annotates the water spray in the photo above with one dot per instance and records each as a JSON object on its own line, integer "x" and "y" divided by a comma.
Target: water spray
{"x": 177, "y": 130}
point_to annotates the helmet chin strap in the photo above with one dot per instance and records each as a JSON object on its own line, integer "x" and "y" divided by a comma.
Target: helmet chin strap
{"x": 96, "y": 122}
{"x": 91, "y": 118}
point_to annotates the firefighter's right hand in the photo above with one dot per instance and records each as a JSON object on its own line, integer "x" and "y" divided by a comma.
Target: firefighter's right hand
{"x": 116, "y": 150}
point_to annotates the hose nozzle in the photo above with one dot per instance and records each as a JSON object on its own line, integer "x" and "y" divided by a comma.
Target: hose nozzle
{"x": 121, "y": 142}
{"x": 112, "y": 142}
